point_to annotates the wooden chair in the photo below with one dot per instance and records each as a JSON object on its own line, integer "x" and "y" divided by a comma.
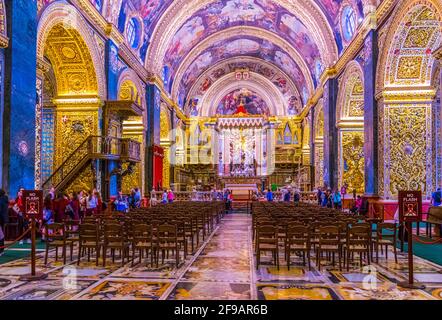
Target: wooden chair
{"x": 168, "y": 241}
{"x": 89, "y": 239}
{"x": 330, "y": 243}
{"x": 358, "y": 241}
{"x": 55, "y": 237}
{"x": 298, "y": 240}
{"x": 72, "y": 229}
{"x": 267, "y": 240}
{"x": 142, "y": 240}
{"x": 115, "y": 239}
{"x": 388, "y": 238}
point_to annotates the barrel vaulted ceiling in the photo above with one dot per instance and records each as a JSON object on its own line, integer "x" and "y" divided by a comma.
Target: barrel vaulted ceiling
{"x": 180, "y": 40}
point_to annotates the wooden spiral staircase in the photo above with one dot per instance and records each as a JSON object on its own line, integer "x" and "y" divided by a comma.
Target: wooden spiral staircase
{"x": 93, "y": 148}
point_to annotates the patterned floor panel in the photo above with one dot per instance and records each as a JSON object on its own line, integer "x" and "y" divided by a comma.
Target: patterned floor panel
{"x": 224, "y": 267}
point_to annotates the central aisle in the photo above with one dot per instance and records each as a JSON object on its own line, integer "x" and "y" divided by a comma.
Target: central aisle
{"x": 223, "y": 270}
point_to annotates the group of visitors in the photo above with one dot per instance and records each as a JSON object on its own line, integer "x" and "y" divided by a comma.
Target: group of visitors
{"x": 168, "y": 196}
{"x": 124, "y": 203}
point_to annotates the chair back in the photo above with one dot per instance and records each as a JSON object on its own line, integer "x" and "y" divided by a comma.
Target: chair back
{"x": 55, "y": 231}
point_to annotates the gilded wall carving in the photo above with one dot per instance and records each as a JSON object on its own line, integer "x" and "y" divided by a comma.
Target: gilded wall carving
{"x": 134, "y": 179}
{"x": 408, "y": 142}
{"x": 319, "y": 165}
{"x": 72, "y": 62}
{"x": 84, "y": 181}
{"x": 73, "y": 128}
{"x": 352, "y": 160}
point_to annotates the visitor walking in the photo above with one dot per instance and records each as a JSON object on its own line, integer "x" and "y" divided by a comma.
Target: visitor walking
{"x": 296, "y": 197}
{"x": 4, "y": 217}
{"x": 91, "y": 204}
{"x": 170, "y": 196}
{"x": 436, "y": 198}
{"x": 319, "y": 196}
{"x": 19, "y": 209}
{"x": 269, "y": 195}
{"x": 164, "y": 199}
{"x": 337, "y": 200}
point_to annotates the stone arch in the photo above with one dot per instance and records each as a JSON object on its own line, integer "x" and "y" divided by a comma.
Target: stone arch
{"x": 257, "y": 82}
{"x": 392, "y": 65}
{"x": 175, "y": 16}
{"x": 350, "y": 104}
{"x": 61, "y": 15}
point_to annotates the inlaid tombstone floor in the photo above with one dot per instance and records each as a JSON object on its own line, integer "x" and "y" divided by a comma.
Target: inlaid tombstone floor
{"x": 223, "y": 268}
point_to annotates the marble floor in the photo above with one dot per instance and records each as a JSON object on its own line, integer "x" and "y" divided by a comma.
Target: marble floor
{"x": 223, "y": 268}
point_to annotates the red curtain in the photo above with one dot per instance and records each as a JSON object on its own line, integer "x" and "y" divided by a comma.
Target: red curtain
{"x": 158, "y": 155}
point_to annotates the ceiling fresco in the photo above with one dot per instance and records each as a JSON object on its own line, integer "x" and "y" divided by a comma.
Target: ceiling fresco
{"x": 137, "y": 20}
{"x": 243, "y": 64}
{"x": 223, "y": 14}
{"x": 243, "y": 46}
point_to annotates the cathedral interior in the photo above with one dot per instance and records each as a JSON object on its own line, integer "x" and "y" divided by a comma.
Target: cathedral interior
{"x": 196, "y": 96}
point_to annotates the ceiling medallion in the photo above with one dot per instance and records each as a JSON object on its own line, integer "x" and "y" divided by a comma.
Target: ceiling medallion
{"x": 68, "y": 53}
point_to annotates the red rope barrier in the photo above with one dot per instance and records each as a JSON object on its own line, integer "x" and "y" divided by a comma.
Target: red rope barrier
{"x": 426, "y": 242}
{"x": 16, "y": 240}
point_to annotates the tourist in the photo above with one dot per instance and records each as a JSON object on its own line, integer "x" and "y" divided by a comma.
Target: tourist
{"x": 59, "y": 206}
{"x": 319, "y": 196}
{"x": 19, "y": 209}
{"x": 52, "y": 193}
{"x": 4, "y": 211}
{"x": 323, "y": 198}
{"x": 170, "y": 196}
{"x": 164, "y": 199}
{"x": 48, "y": 215}
{"x": 436, "y": 198}
{"x": 337, "y": 200}
{"x": 153, "y": 199}
{"x": 269, "y": 195}
{"x": 120, "y": 203}
{"x": 75, "y": 204}
{"x": 229, "y": 201}
{"x": 4, "y": 217}
{"x": 357, "y": 205}
{"x": 137, "y": 197}
{"x": 329, "y": 199}
{"x": 83, "y": 203}
{"x": 131, "y": 199}
{"x": 296, "y": 197}
{"x": 91, "y": 204}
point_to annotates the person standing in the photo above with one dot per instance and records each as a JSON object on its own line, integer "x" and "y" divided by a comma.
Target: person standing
{"x": 269, "y": 195}
{"x": 59, "y": 206}
{"x": 337, "y": 200}
{"x": 319, "y": 196}
{"x": 170, "y": 196}
{"x": 91, "y": 204}
{"x": 19, "y": 209}
{"x": 4, "y": 217}
{"x": 296, "y": 197}
{"x": 436, "y": 198}
{"x": 164, "y": 199}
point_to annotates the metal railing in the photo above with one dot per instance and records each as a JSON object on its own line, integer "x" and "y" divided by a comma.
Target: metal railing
{"x": 94, "y": 147}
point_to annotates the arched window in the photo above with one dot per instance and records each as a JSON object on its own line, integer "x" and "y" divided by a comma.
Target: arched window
{"x": 132, "y": 33}
{"x": 287, "y": 135}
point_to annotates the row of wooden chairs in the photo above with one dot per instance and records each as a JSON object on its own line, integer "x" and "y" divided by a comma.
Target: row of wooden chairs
{"x": 307, "y": 228}
{"x": 146, "y": 231}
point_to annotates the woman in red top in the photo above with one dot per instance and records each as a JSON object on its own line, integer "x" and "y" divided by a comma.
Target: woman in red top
{"x": 75, "y": 205}
{"x": 60, "y": 207}
{"x": 19, "y": 208}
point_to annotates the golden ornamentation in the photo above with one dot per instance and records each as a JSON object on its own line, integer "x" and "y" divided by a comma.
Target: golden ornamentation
{"x": 356, "y": 108}
{"x": 409, "y": 67}
{"x": 73, "y": 128}
{"x": 352, "y": 162}
{"x": 319, "y": 164}
{"x": 166, "y": 168}
{"x": 84, "y": 181}
{"x": 73, "y": 66}
{"x": 418, "y": 37}
{"x": 135, "y": 179}
{"x": 409, "y": 135}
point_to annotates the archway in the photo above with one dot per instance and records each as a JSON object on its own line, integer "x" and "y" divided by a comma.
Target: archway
{"x": 350, "y": 123}
{"x": 130, "y": 88}
{"x": 69, "y": 90}
{"x": 319, "y": 144}
{"x": 406, "y": 96}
